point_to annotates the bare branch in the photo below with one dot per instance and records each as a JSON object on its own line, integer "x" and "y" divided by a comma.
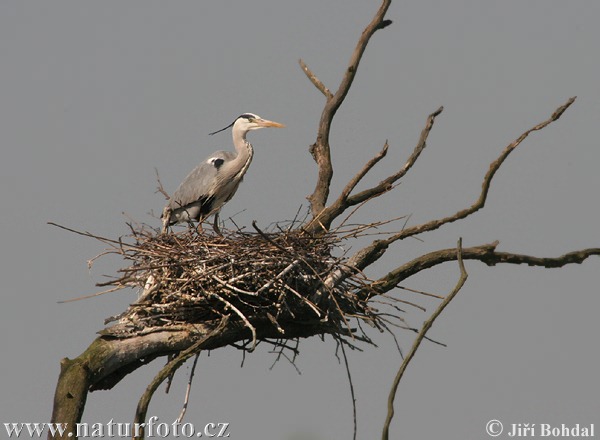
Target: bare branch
{"x": 320, "y": 150}
{"x": 358, "y": 177}
{"x": 352, "y": 395}
{"x": 487, "y": 180}
{"x": 345, "y": 200}
{"x": 426, "y": 326}
{"x": 168, "y": 370}
{"x": 377, "y": 248}
{"x": 575, "y": 257}
{"x": 240, "y": 314}
{"x": 485, "y": 253}
{"x": 322, "y": 222}
{"x": 188, "y": 390}
{"x": 160, "y": 188}
{"x": 386, "y": 184}
{"x": 320, "y": 299}
{"x": 109, "y": 241}
{"x": 316, "y": 81}
{"x": 117, "y": 353}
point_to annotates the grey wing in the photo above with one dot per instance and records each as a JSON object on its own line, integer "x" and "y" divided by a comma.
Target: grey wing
{"x": 195, "y": 194}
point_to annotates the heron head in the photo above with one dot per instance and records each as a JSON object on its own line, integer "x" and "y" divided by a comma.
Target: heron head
{"x": 249, "y": 121}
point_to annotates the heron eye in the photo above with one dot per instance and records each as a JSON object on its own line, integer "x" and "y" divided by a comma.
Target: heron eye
{"x": 249, "y": 117}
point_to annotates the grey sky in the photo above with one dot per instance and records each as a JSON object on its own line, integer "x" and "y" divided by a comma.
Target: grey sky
{"x": 94, "y": 95}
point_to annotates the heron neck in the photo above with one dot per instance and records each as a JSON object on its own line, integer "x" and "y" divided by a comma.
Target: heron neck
{"x": 244, "y": 150}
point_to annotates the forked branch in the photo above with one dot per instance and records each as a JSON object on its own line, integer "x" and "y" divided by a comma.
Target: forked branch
{"x": 168, "y": 370}
{"x": 117, "y": 353}
{"x": 320, "y": 150}
{"x": 421, "y": 335}
{"x": 487, "y": 180}
{"x": 377, "y": 248}
{"x": 387, "y": 184}
{"x": 486, "y": 253}
{"x": 345, "y": 200}
{"x": 316, "y": 81}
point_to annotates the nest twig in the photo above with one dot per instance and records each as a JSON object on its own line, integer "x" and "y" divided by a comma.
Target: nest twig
{"x": 253, "y": 278}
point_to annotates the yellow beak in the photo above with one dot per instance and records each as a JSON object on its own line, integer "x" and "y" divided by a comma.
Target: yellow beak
{"x": 267, "y": 123}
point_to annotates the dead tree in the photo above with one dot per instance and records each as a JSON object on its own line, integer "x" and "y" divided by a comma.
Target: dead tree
{"x": 244, "y": 288}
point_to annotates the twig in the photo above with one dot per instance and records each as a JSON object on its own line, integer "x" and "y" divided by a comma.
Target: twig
{"x": 485, "y": 253}
{"x": 487, "y": 180}
{"x": 387, "y": 183}
{"x": 166, "y": 371}
{"x": 323, "y": 222}
{"x": 320, "y": 150}
{"x": 345, "y": 200}
{"x": 160, "y": 188}
{"x": 267, "y": 238}
{"x": 426, "y": 326}
{"x": 240, "y": 314}
{"x": 369, "y": 254}
{"x": 280, "y": 275}
{"x": 304, "y": 299}
{"x": 188, "y": 389}
{"x": 92, "y": 295}
{"x": 90, "y": 235}
{"x": 365, "y": 169}
{"x": 316, "y": 81}
{"x": 341, "y": 342}
{"x": 408, "y": 289}
{"x": 233, "y": 288}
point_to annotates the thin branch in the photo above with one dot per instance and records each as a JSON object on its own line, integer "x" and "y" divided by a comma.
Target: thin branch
{"x": 576, "y": 257}
{"x": 386, "y": 184}
{"x": 322, "y": 222}
{"x": 487, "y": 180}
{"x": 345, "y": 200}
{"x": 426, "y": 326}
{"x": 188, "y": 389}
{"x": 267, "y": 238}
{"x": 352, "y": 395}
{"x": 485, "y": 253}
{"x": 320, "y": 150}
{"x": 358, "y": 177}
{"x": 109, "y": 241}
{"x": 160, "y": 188}
{"x": 369, "y": 254}
{"x": 280, "y": 275}
{"x": 240, "y": 314}
{"x": 316, "y": 81}
{"x": 92, "y": 295}
{"x": 420, "y": 292}
{"x": 305, "y": 300}
{"x": 167, "y": 370}
{"x": 233, "y": 288}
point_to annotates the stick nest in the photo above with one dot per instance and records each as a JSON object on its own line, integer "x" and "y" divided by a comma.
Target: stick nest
{"x": 254, "y": 278}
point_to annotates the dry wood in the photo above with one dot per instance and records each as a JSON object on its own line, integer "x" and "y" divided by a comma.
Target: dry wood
{"x": 202, "y": 292}
{"x": 320, "y": 150}
{"x": 420, "y": 336}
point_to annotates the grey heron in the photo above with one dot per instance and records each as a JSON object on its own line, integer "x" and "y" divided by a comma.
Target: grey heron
{"x": 214, "y": 182}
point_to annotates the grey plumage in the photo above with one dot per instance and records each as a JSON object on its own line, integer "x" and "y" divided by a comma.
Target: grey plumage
{"x": 214, "y": 182}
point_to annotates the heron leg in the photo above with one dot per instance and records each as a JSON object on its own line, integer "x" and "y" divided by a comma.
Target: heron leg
{"x": 216, "y": 224}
